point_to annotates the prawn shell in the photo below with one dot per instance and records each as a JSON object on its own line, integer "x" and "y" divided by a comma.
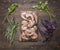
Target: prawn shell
{"x": 35, "y": 17}
{"x": 31, "y": 23}
{"x": 23, "y": 27}
{"x": 35, "y": 36}
{"x": 24, "y": 22}
{"x": 23, "y": 15}
{"x": 28, "y": 32}
{"x": 23, "y": 36}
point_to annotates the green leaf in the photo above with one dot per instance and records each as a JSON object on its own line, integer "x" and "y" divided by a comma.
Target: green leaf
{"x": 12, "y": 7}
{"x": 46, "y": 2}
{"x": 43, "y": 6}
{"x": 35, "y": 6}
{"x": 40, "y": 2}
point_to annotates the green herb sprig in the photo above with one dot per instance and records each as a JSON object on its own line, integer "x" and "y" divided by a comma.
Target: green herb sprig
{"x": 11, "y": 30}
{"x": 12, "y": 8}
{"x": 44, "y": 7}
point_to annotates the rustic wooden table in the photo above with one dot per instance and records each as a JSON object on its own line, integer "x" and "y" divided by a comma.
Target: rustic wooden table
{"x": 54, "y": 44}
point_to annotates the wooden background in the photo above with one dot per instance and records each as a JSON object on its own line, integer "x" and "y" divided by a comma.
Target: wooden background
{"x": 54, "y": 44}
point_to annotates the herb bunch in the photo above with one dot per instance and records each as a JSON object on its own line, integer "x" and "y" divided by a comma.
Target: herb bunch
{"x": 12, "y": 8}
{"x": 11, "y": 30}
{"x": 44, "y": 7}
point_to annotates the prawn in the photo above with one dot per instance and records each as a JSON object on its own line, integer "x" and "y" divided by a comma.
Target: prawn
{"x": 24, "y": 25}
{"x": 23, "y": 15}
{"x": 34, "y": 36}
{"x": 31, "y": 23}
{"x": 23, "y": 37}
{"x": 35, "y": 17}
